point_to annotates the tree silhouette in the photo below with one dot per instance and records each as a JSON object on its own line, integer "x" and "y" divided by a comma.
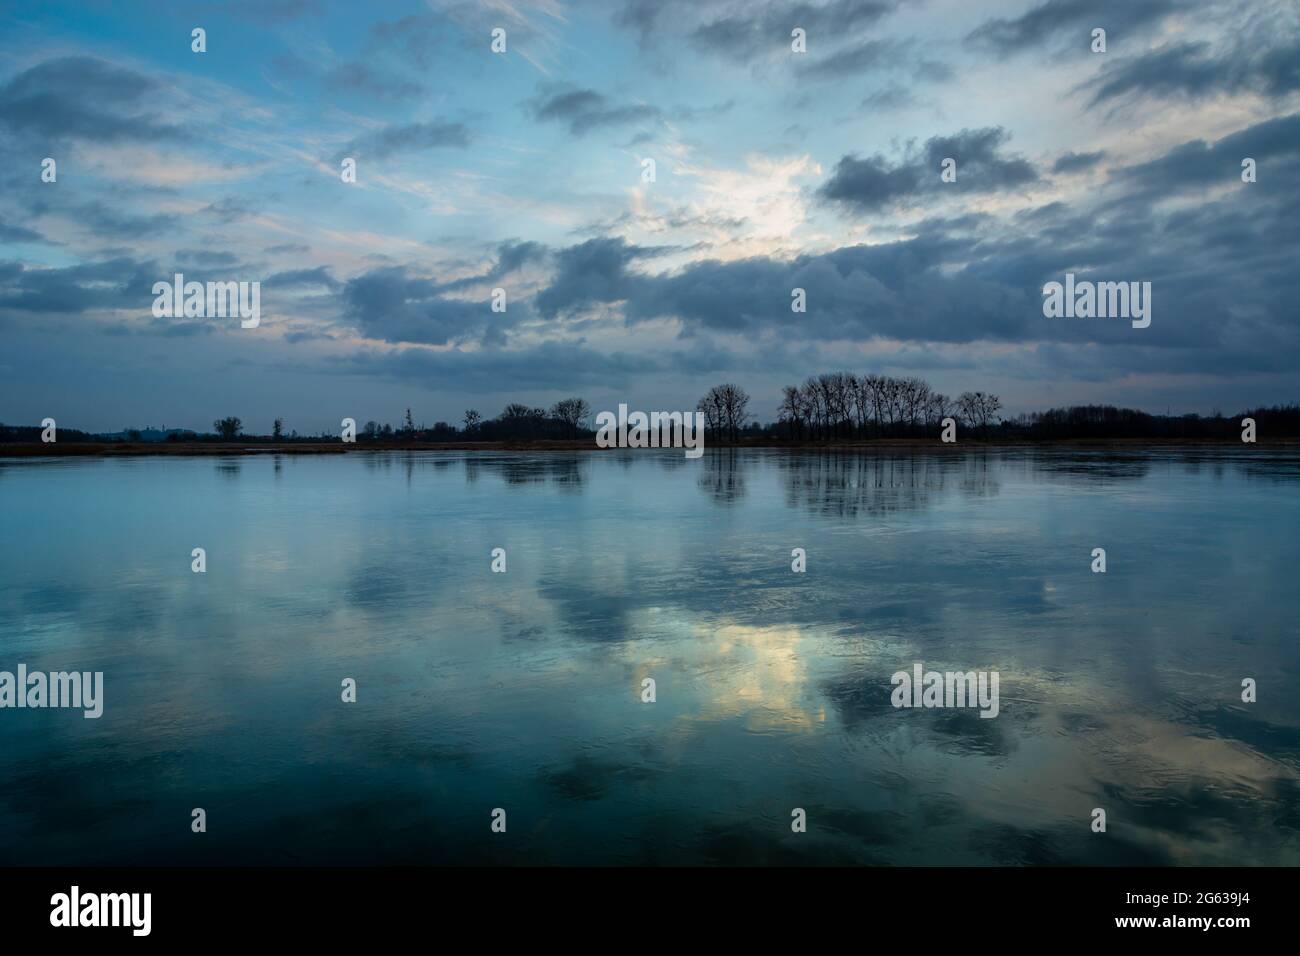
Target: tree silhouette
{"x": 572, "y": 411}
{"x": 228, "y": 428}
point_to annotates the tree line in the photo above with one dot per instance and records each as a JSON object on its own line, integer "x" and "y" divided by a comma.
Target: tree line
{"x": 835, "y": 407}
{"x": 842, "y": 405}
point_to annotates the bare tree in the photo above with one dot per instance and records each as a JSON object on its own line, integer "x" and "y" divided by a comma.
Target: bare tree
{"x": 891, "y": 399}
{"x": 874, "y": 388}
{"x": 914, "y": 394}
{"x": 990, "y": 405}
{"x": 814, "y": 405}
{"x": 711, "y": 406}
{"x": 793, "y": 410}
{"x": 726, "y": 409}
{"x": 838, "y": 387}
{"x": 967, "y": 409}
{"x": 472, "y": 420}
{"x": 737, "y": 405}
{"x": 572, "y": 411}
{"x": 978, "y": 409}
{"x": 937, "y": 408}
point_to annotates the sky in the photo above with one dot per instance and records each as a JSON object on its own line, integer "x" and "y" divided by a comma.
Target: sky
{"x": 525, "y": 170}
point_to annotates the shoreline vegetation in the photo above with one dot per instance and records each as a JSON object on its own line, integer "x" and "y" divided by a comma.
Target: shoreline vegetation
{"x": 836, "y": 411}
{"x": 254, "y": 446}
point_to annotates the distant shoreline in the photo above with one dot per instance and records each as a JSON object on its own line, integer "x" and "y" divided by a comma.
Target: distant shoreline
{"x": 254, "y": 447}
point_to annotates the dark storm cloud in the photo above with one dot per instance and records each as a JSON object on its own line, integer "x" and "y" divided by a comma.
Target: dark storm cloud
{"x": 410, "y": 138}
{"x": 1273, "y": 144}
{"x": 389, "y": 304}
{"x": 120, "y": 282}
{"x": 870, "y": 184}
{"x": 1069, "y": 23}
{"x": 1222, "y": 271}
{"x": 512, "y": 256}
{"x": 874, "y": 183}
{"x": 592, "y": 272}
{"x": 392, "y": 305}
{"x": 1195, "y": 70}
{"x": 82, "y": 97}
{"x": 894, "y": 289}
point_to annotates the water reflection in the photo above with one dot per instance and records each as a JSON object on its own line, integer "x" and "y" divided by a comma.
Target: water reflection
{"x": 723, "y": 475}
{"x": 524, "y": 689}
{"x": 846, "y": 485}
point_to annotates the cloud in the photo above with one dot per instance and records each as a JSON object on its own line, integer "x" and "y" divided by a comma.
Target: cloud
{"x": 413, "y": 137}
{"x": 392, "y": 305}
{"x": 752, "y": 31}
{"x": 303, "y": 278}
{"x": 899, "y": 267}
{"x": 116, "y": 283}
{"x": 895, "y": 290}
{"x": 586, "y": 110}
{"x": 514, "y": 255}
{"x": 1195, "y": 70}
{"x": 873, "y": 183}
{"x": 1196, "y": 164}
{"x": 11, "y": 233}
{"x": 1077, "y": 162}
{"x": 1221, "y": 269}
{"x": 104, "y": 220}
{"x": 82, "y": 97}
{"x": 1069, "y": 23}
{"x": 231, "y": 208}
{"x": 875, "y": 55}
{"x": 893, "y": 97}
{"x": 591, "y": 272}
